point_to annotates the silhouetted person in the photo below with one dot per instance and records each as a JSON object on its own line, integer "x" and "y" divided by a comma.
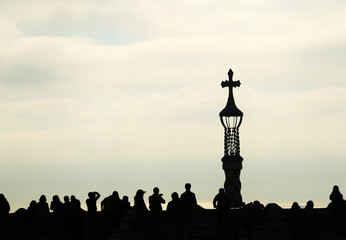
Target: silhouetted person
{"x": 56, "y": 206}
{"x": 253, "y": 216}
{"x": 175, "y": 212}
{"x": 92, "y": 214}
{"x": 118, "y": 209}
{"x": 141, "y": 210}
{"x": 222, "y": 203}
{"x": 67, "y": 218}
{"x": 311, "y": 221}
{"x": 189, "y": 201}
{"x": 77, "y": 222}
{"x": 294, "y": 220}
{"x": 111, "y": 212}
{"x": 126, "y": 205}
{"x": 91, "y": 201}
{"x": 75, "y": 202}
{"x": 4, "y": 211}
{"x": 336, "y": 195}
{"x": 31, "y": 214}
{"x": 155, "y": 206}
{"x": 257, "y": 212}
{"x": 42, "y": 216}
{"x": 337, "y": 209}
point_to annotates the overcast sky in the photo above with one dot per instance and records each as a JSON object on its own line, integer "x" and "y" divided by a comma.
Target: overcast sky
{"x": 122, "y": 95}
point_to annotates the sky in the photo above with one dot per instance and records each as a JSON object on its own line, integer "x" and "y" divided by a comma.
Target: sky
{"x": 125, "y": 95}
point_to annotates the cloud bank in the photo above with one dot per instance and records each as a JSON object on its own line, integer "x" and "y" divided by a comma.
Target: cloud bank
{"x": 125, "y": 95}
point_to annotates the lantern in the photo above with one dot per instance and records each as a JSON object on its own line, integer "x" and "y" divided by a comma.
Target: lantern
{"x": 231, "y": 118}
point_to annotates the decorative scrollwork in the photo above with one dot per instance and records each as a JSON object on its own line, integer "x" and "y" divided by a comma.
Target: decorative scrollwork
{"x": 231, "y": 141}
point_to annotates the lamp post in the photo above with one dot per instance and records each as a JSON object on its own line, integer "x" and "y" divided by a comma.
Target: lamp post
{"x": 231, "y": 118}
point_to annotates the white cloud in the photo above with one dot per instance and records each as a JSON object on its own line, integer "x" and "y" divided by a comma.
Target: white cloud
{"x": 152, "y": 102}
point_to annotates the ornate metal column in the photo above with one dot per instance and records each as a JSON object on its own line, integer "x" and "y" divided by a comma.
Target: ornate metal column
{"x": 231, "y": 118}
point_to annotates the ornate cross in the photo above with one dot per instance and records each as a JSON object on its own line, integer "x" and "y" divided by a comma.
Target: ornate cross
{"x": 230, "y": 109}
{"x": 230, "y": 83}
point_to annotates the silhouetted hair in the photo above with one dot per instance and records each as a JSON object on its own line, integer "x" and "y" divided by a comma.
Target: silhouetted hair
{"x": 174, "y": 195}
{"x": 43, "y": 198}
{"x": 115, "y": 194}
{"x": 140, "y": 193}
{"x": 295, "y": 205}
{"x": 309, "y": 204}
{"x": 187, "y": 186}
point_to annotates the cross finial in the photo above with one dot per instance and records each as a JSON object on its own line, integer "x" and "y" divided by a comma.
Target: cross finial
{"x": 230, "y": 83}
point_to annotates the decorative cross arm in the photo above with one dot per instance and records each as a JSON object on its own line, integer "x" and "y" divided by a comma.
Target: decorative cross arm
{"x": 230, "y": 83}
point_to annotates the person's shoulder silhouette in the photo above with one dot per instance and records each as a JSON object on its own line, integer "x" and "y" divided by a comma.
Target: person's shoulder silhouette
{"x": 174, "y": 207}
{"x": 91, "y": 201}
{"x": 156, "y": 200}
{"x": 56, "y": 204}
{"x": 31, "y": 212}
{"x": 4, "y": 206}
{"x": 221, "y": 201}
{"x": 188, "y": 198}
{"x": 42, "y": 205}
{"x": 336, "y": 195}
{"x": 139, "y": 203}
{"x": 126, "y": 205}
{"x": 75, "y": 202}
{"x": 4, "y": 210}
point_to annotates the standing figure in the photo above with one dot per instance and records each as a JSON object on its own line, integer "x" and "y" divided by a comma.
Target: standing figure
{"x": 31, "y": 214}
{"x": 56, "y": 206}
{"x": 294, "y": 220}
{"x": 4, "y": 211}
{"x": 141, "y": 210}
{"x": 189, "y": 203}
{"x": 77, "y": 228}
{"x": 175, "y": 212}
{"x": 337, "y": 208}
{"x": 111, "y": 208}
{"x": 42, "y": 215}
{"x": 311, "y": 221}
{"x": 92, "y": 214}
{"x": 155, "y": 207}
{"x": 222, "y": 204}
{"x": 67, "y": 218}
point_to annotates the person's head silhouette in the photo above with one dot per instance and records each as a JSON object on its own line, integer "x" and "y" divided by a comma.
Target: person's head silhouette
{"x": 140, "y": 193}
{"x": 336, "y": 189}
{"x": 174, "y": 196}
{"x": 66, "y": 199}
{"x": 115, "y": 195}
{"x": 309, "y": 205}
{"x": 56, "y": 198}
{"x": 188, "y": 187}
{"x": 91, "y": 195}
{"x": 43, "y": 198}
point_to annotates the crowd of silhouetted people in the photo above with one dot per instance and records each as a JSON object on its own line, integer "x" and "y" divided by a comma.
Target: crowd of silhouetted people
{"x": 70, "y": 221}
{"x": 67, "y": 220}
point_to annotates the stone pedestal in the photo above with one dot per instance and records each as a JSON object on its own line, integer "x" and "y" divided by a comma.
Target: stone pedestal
{"x": 232, "y": 166}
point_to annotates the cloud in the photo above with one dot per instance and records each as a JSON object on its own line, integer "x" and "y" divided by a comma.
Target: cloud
{"x": 108, "y": 88}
